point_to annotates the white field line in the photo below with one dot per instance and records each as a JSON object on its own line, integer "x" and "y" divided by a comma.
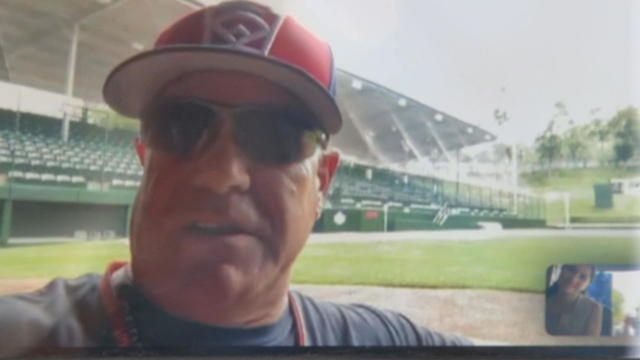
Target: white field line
{"x": 469, "y": 235}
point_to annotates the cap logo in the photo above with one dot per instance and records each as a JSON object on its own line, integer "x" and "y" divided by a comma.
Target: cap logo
{"x": 240, "y": 28}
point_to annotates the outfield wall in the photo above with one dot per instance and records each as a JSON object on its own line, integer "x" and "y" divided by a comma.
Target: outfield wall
{"x": 30, "y": 210}
{"x": 376, "y": 220}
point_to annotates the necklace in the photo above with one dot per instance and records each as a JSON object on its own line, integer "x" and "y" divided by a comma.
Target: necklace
{"x": 126, "y": 333}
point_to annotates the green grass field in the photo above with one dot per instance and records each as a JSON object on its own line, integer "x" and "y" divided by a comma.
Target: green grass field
{"x": 576, "y": 179}
{"x": 579, "y": 184}
{"x": 626, "y": 210}
{"x": 516, "y": 264}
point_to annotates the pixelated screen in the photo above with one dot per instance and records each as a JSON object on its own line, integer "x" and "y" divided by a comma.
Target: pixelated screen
{"x": 486, "y": 149}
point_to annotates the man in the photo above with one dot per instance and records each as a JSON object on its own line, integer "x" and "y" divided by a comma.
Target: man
{"x": 236, "y": 106}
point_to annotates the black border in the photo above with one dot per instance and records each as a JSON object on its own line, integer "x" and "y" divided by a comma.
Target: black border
{"x": 504, "y": 352}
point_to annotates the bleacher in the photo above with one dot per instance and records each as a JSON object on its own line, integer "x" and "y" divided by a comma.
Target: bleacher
{"x": 32, "y": 151}
{"x": 360, "y": 185}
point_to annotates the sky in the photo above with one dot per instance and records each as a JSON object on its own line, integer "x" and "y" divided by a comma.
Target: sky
{"x": 468, "y": 58}
{"x": 626, "y": 282}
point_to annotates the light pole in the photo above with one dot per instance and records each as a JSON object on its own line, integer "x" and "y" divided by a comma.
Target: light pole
{"x": 514, "y": 175}
{"x": 501, "y": 117}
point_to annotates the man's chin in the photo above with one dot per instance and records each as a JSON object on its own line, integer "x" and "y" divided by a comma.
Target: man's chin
{"x": 192, "y": 266}
{"x": 216, "y": 283}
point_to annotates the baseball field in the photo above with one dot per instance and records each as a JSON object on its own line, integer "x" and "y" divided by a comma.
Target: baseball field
{"x": 484, "y": 285}
{"x": 513, "y": 260}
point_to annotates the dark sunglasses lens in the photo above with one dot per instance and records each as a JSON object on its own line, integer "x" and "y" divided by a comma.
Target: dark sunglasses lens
{"x": 274, "y": 136}
{"x": 180, "y": 127}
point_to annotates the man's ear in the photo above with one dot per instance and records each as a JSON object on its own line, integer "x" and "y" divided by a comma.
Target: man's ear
{"x": 327, "y": 167}
{"x": 140, "y": 149}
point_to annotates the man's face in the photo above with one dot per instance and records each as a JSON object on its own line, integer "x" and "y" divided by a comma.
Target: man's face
{"x": 270, "y": 209}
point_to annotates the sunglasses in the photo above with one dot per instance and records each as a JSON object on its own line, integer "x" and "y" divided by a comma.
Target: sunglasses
{"x": 267, "y": 134}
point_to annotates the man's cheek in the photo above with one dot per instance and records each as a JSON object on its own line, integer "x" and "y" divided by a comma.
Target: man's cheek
{"x": 283, "y": 195}
{"x": 158, "y": 187}
{"x": 301, "y": 178}
{"x": 303, "y": 203}
{"x": 301, "y": 175}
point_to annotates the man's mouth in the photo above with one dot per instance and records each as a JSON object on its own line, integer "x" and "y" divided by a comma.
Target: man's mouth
{"x": 215, "y": 229}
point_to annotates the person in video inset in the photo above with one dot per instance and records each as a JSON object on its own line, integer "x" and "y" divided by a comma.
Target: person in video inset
{"x": 569, "y": 311}
{"x": 236, "y": 105}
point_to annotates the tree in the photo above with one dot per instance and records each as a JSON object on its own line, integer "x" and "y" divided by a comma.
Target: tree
{"x": 549, "y": 147}
{"x": 549, "y": 144}
{"x": 599, "y": 131}
{"x": 625, "y": 127}
{"x": 623, "y": 152}
{"x": 577, "y": 144}
{"x": 561, "y": 120}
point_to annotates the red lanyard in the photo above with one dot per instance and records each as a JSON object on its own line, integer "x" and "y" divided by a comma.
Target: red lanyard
{"x": 117, "y": 317}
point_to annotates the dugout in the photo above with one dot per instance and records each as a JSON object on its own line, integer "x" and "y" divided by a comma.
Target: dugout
{"x": 30, "y": 210}
{"x": 50, "y": 219}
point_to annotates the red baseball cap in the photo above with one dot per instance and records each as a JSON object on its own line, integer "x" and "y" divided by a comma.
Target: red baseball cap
{"x": 239, "y": 36}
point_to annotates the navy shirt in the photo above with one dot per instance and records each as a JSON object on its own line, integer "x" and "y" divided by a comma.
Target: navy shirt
{"x": 159, "y": 329}
{"x": 70, "y": 314}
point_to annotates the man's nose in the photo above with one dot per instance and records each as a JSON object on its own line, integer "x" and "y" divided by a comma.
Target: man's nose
{"x": 223, "y": 168}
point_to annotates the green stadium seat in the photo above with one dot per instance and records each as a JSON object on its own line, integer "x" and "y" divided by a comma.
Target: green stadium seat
{"x": 131, "y": 183}
{"x": 48, "y": 178}
{"x": 117, "y": 182}
{"x": 19, "y": 160}
{"x": 63, "y": 178}
{"x": 16, "y": 175}
{"x": 77, "y": 179}
{"x": 32, "y": 176}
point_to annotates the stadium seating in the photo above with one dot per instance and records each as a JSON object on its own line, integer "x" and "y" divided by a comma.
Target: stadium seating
{"x": 32, "y": 151}
{"x": 367, "y": 185}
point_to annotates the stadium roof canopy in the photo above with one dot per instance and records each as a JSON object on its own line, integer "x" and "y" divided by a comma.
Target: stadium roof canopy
{"x": 69, "y": 46}
{"x": 36, "y": 39}
{"x": 383, "y": 126}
